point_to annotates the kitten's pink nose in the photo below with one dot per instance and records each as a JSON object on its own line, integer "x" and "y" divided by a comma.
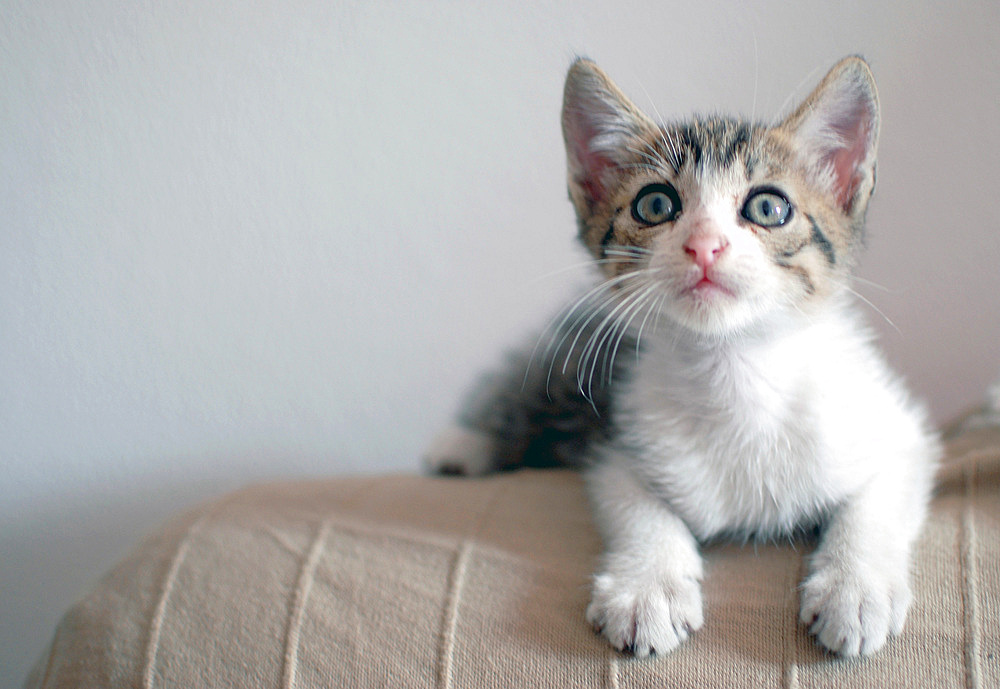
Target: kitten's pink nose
{"x": 705, "y": 247}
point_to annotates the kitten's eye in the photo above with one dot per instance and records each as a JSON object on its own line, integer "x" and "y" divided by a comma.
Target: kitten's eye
{"x": 655, "y": 204}
{"x": 767, "y": 208}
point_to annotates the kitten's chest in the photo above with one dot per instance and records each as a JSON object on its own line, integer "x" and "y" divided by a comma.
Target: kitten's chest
{"x": 732, "y": 439}
{"x": 703, "y": 393}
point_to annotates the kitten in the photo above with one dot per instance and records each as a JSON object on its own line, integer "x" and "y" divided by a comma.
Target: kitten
{"x": 718, "y": 382}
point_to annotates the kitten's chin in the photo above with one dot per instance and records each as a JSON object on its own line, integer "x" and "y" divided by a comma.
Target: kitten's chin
{"x": 709, "y": 309}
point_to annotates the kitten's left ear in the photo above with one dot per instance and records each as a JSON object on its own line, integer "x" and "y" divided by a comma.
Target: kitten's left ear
{"x": 600, "y": 124}
{"x": 837, "y": 128}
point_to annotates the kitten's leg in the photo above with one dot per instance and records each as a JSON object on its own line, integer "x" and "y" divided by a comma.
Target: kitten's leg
{"x": 858, "y": 590}
{"x": 488, "y": 431}
{"x": 461, "y": 451}
{"x": 647, "y": 595}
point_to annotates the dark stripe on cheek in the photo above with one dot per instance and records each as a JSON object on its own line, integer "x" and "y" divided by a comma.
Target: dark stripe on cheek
{"x": 801, "y": 273}
{"x": 608, "y": 236}
{"x": 819, "y": 239}
{"x": 793, "y": 252}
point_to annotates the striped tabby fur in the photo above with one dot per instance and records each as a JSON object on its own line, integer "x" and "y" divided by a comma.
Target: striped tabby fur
{"x": 717, "y": 381}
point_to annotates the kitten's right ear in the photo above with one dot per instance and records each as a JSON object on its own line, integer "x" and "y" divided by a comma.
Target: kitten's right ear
{"x": 836, "y": 129}
{"x": 599, "y": 124}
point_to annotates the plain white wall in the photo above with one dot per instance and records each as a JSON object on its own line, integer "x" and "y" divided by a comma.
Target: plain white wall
{"x": 255, "y": 239}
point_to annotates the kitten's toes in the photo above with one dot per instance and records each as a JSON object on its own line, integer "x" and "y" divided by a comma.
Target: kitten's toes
{"x": 460, "y": 451}
{"x": 853, "y": 612}
{"x": 645, "y": 617}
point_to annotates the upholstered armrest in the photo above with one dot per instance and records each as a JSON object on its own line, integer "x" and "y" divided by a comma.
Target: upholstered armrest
{"x": 408, "y": 581}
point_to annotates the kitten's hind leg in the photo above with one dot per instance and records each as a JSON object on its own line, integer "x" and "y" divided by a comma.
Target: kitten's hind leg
{"x": 647, "y": 596}
{"x": 460, "y": 451}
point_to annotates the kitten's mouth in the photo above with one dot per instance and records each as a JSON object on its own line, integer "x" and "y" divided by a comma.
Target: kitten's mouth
{"x": 707, "y": 288}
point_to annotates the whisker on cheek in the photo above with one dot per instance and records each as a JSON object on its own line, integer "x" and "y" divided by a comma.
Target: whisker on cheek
{"x": 573, "y": 319}
{"x": 581, "y": 328}
{"x": 605, "y": 332}
{"x": 607, "y": 371}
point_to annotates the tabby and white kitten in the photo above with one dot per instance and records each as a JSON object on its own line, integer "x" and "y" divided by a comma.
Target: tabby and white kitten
{"x": 718, "y": 382}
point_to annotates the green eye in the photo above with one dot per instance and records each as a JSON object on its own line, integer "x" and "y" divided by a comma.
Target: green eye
{"x": 656, "y": 203}
{"x": 767, "y": 208}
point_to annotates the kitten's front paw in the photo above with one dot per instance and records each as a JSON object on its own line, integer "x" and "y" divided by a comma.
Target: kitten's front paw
{"x": 643, "y": 615}
{"x": 852, "y": 611}
{"x": 460, "y": 451}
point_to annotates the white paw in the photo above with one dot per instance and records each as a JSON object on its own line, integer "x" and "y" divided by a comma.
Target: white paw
{"x": 853, "y": 610}
{"x": 458, "y": 450}
{"x": 641, "y": 614}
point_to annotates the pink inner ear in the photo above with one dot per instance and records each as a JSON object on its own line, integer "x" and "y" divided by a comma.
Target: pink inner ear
{"x": 590, "y": 166}
{"x": 855, "y": 132}
{"x": 593, "y": 178}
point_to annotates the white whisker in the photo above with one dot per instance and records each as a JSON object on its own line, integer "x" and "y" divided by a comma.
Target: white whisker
{"x": 597, "y": 340}
{"x": 632, "y": 253}
{"x": 607, "y": 371}
{"x": 651, "y": 155}
{"x": 781, "y": 111}
{"x": 583, "y": 265}
{"x": 869, "y": 283}
{"x": 873, "y": 307}
{"x": 667, "y": 139}
{"x": 656, "y": 305}
{"x": 580, "y": 310}
{"x": 756, "y": 75}
{"x": 565, "y": 314}
{"x": 655, "y": 158}
{"x": 607, "y": 302}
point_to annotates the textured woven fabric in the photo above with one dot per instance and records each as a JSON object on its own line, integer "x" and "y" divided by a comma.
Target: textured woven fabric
{"x": 407, "y": 581}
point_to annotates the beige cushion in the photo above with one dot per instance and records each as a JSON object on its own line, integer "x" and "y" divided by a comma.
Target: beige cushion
{"x": 407, "y": 581}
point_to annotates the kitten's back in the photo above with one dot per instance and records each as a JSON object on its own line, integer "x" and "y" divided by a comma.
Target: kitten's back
{"x": 547, "y": 403}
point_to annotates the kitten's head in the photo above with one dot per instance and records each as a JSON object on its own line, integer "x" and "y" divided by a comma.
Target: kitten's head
{"x": 724, "y": 221}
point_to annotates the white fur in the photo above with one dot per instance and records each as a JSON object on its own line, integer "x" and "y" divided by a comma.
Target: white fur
{"x": 756, "y": 436}
{"x": 759, "y": 407}
{"x": 460, "y": 450}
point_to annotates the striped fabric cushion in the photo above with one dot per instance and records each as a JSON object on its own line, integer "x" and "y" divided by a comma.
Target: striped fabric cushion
{"x": 408, "y": 581}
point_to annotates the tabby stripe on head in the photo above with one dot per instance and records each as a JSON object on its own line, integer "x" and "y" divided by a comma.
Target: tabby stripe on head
{"x": 690, "y": 140}
{"x": 740, "y": 140}
{"x": 819, "y": 239}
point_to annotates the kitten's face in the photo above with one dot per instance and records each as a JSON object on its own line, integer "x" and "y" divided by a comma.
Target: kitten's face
{"x": 722, "y": 221}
